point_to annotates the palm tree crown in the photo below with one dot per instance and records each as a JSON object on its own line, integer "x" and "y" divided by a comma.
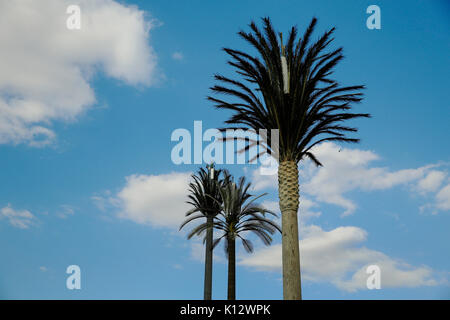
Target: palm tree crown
{"x": 240, "y": 215}
{"x": 308, "y": 109}
{"x": 204, "y": 196}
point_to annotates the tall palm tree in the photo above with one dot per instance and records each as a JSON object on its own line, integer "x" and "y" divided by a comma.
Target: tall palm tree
{"x": 206, "y": 202}
{"x": 240, "y": 215}
{"x": 289, "y": 88}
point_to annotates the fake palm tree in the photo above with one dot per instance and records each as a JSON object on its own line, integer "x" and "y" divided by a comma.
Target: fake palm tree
{"x": 206, "y": 204}
{"x": 239, "y": 216}
{"x": 288, "y": 87}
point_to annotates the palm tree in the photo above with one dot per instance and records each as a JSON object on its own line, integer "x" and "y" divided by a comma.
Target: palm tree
{"x": 206, "y": 202}
{"x": 289, "y": 88}
{"x": 239, "y": 215}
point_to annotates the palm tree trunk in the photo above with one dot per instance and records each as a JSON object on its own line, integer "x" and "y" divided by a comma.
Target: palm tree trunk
{"x": 231, "y": 268}
{"x": 208, "y": 259}
{"x": 289, "y": 202}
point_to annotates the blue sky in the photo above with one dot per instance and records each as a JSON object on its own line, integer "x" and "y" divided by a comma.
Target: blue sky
{"x": 86, "y": 118}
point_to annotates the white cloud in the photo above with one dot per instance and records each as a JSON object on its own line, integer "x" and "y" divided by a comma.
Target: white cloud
{"x": 65, "y": 211}
{"x": 345, "y": 170}
{"x": 260, "y": 181}
{"x": 154, "y": 200}
{"x": 431, "y": 182}
{"x": 46, "y": 68}
{"x": 105, "y": 201}
{"x": 443, "y": 198}
{"x": 178, "y": 56}
{"x": 306, "y": 209}
{"x": 43, "y": 268}
{"x": 440, "y": 201}
{"x": 394, "y": 274}
{"x": 334, "y": 256}
{"x": 22, "y": 219}
{"x": 157, "y": 200}
{"x": 272, "y": 206}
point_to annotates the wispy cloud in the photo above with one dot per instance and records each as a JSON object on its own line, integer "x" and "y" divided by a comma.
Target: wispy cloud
{"x": 22, "y": 219}
{"x": 345, "y": 170}
{"x": 443, "y": 198}
{"x": 177, "y": 56}
{"x": 65, "y": 211}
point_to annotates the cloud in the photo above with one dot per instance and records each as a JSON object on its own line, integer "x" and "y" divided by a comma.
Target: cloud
{"x": 345, "y": 170}
{"x": 443, "y": 198}
{"x": 154, "y": 200}
{"x": 177, "y": 56}
{"x": 46, "y": 69}
{"x": 394, "y": 274}
{"x": 105, "y": 201}
{"x": 260, "y": 181}
{"x": 272, "y": 206}
{"x": 43, "y": 268}
{"x": 440, "y": 201}
{"x": 157, "y": 200}
{"x": 65, "y": 211}
{"x": 431, "y": 182}
{"x": 336, "y": 256}
{"x": 22, "y": 219}
{"x": 306, "y": 209}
